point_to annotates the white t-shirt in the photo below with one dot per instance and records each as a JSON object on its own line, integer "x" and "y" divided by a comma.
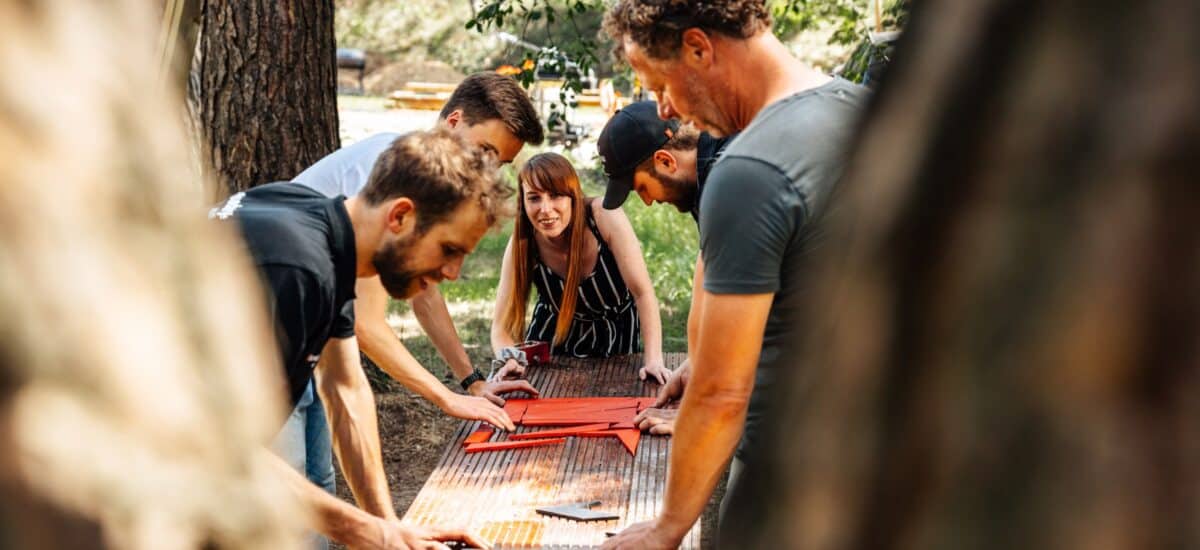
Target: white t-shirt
{"x": 345, "y": 171}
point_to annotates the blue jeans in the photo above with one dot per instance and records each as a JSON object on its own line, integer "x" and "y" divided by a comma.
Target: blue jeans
{"x": 305, "y": 444}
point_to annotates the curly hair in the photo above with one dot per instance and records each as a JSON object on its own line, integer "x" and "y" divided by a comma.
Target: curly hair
{"x": 438, "y": 170}
{"x": 657, "y": 25}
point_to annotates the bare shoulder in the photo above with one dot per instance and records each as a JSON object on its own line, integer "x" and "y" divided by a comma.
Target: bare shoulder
{"x": 607, "y": 220}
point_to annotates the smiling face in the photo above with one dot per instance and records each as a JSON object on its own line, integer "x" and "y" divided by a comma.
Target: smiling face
{"x": 409, "y": 260}
{"x": 683, "y": 86}
{"x": 549, "y": 212}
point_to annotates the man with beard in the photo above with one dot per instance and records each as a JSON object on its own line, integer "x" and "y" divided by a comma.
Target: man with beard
{"x": 718, "y": 66}
{"x": 494, "y": 114}
{"x": 663, "y": 162}
{"x": 428, "y": 202}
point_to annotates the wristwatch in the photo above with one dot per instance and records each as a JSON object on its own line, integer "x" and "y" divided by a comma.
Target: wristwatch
{"x": 472, "y": 378}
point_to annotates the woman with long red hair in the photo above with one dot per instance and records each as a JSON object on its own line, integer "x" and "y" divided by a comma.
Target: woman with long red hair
{"x": 594, "y": 296}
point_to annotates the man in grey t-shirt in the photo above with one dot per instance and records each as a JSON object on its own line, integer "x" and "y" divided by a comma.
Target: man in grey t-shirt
{"x": 725, "y": 72}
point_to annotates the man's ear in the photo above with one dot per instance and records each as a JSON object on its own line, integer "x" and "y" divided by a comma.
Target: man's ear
{"x": 666, "y": 161}
{"x": 454, "y": 118}
{"x": 697, "y": 48}
{"x": 401, "y": 215}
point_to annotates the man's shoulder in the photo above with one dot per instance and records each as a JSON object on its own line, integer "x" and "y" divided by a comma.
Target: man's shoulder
{"x": 804, "y": 125}
{"x": 345, "y": 170}
{"x": 282, "y": 224}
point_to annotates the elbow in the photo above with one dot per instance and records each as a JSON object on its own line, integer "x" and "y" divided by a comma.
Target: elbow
{"x": 722, "y": 401}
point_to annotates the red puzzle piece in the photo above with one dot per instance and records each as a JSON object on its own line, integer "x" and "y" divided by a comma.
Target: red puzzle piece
{"x": 516, "y": 409}
{"x": 479, "y": 436}
{"x": 560, "y": 432}
{"x": 503, "y": 445}
{"x": 628, "y": 438}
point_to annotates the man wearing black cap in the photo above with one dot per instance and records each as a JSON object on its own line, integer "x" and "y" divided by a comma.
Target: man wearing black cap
{"x": 663, "y": 162}
{"x": 659, "y": 159}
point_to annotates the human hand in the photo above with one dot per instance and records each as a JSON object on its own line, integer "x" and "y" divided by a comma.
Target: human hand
{"x": 656, "y": 421}
{"x": 647, "y": 535}
{"x": 655, "y": 370}
{"x": 675, "y": 385}
{"x": 492, "y": 390}
{"x": 511, "y": 369}
{"x": 398, "y": 536}
{"x": 469, "y": 407}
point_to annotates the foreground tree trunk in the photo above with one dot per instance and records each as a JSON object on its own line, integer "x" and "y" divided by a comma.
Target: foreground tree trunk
{"x": 138, "y": 378}
{"x": 1007, "y": 342}
{"x": 265, "y": 88}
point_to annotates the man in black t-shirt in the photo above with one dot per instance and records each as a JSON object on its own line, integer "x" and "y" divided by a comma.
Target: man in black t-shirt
{"x": 429, "y": 200}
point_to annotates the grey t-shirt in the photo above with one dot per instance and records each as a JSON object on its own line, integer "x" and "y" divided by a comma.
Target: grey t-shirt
{"x": 759, "y": 212}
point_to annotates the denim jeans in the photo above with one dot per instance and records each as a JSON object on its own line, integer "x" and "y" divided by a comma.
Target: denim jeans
{"x": 305, "y": 444}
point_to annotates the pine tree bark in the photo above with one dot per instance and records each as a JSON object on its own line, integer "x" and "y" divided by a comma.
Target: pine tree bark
{"x": 266, "y": 101}
{"x": 1006, "y": 350}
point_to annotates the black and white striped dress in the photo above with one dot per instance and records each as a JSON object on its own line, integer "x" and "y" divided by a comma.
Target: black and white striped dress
{"x": 606, "y": 319}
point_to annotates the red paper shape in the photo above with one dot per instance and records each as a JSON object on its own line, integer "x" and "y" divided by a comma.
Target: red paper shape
{"x": 479, "y": 436}
{"x": 623, "y": 426}
{"x": 628, "y": 438}
{"x": 516, "y": 409}
{"x": 560, "y": 432}
{"x": 504, "y": 445}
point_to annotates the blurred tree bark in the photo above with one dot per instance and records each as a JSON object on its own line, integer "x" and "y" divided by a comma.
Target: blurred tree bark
{"x": 1005, "y": 339}
{"x": 264, "y": 88}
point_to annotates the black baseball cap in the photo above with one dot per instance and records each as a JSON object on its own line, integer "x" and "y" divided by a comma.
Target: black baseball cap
{"x": 631, "y": 136}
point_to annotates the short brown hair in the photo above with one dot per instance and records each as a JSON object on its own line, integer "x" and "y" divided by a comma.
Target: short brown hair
{"x": 437, "y": 170}
{"x": 486, "y": 96}
{"x": 657, "y": 25}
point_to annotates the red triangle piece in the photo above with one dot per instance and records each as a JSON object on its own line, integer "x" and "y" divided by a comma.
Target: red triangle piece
{"x": 630, "y": 438}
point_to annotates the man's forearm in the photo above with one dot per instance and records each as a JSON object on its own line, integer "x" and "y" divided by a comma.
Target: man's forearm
{"x": 381, "y": 344}
{"x": 708, "y": 427}
{"x": 714, "y": 406}
{"x": 334, "y": 518}
{"x": 430, "y": 309}
{"x": 350, "y": 408}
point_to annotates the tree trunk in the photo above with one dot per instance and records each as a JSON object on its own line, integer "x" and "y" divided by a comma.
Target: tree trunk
{"x": 1006, "y": 350}
{"x": 267, "y": 88}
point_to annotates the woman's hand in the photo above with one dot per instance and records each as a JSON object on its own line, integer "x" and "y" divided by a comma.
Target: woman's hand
{"x": 511, "y": 369}
{"x": 656, "y": 371}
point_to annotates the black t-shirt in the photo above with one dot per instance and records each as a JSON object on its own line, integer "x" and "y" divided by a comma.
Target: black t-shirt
{"x": 708, "y": 150}
{"x": 303, "y": 246}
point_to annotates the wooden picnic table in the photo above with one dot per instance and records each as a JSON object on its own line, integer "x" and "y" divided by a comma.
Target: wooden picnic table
{"x": 495, "y": 493}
